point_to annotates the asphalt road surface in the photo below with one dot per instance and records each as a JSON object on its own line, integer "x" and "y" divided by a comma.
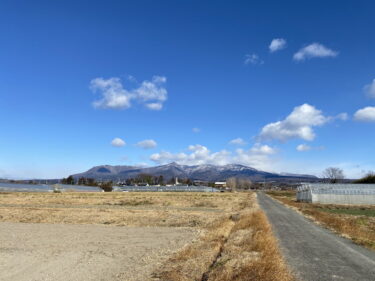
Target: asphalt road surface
{"x": 314, "y": 253}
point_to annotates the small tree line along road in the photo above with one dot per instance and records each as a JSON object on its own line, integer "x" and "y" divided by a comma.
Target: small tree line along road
{"x": 314, "y": 253}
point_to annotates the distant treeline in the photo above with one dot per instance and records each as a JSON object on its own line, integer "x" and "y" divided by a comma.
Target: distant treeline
{"x": 233, "y": 183}
{"x": 141, "y": 179}
{"x": 81, "y": 181}
{"x": 156, "y": 180}
{"x": 106, "y": 186}
{"x": 369, "y": 178}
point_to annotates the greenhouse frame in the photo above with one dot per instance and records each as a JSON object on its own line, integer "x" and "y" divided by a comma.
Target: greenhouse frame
{"x": 353, "y": 194}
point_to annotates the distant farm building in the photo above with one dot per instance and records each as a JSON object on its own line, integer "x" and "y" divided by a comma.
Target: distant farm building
{"x": 355, "y": 194}
{"x": 221, "y": 184}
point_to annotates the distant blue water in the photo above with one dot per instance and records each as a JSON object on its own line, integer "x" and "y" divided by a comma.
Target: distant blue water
{"x": 16, "y": 187}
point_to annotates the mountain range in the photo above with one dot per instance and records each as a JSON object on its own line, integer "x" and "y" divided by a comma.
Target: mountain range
{"x": 196, "y": 172}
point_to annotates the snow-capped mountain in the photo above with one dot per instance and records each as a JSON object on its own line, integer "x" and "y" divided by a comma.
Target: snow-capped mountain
{"x": 197, "y": 172}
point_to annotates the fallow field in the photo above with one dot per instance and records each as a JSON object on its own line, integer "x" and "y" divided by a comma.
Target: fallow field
{"x": 137, "y": 236}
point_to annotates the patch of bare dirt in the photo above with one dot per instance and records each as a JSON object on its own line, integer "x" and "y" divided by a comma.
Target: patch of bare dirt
{"x": 30, "y": 252}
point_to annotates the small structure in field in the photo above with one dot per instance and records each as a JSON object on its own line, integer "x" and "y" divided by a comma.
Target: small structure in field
{"x": 354, "y": 194}
{"x": 221, "y": 184}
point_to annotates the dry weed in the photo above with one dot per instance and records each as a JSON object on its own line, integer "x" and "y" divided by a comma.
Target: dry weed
{"x": 360, "y": 229}
{"x": 238, "y": 247}
{"x": 191, "y": 263}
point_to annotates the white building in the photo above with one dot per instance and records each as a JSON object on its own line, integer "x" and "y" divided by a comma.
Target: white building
{"x": 354, "y": 194}
{"x": 221, "y": 184}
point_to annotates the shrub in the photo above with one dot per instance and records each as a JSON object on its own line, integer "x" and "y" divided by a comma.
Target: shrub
{"x": 107, "y": 186}
{"x": 369, "y": 178}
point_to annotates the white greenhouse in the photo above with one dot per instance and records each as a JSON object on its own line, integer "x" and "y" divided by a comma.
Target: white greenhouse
{"x": 355, "y": 194}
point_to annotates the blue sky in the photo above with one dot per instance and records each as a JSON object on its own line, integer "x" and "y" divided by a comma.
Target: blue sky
{"x": 195, "y": 82}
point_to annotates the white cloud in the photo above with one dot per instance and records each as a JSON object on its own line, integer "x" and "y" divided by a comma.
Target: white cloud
{"x": 299, "y": 124}
{"x": 366, "y": 114}
{"x": 114, "y": 96}
{"x": 277, "y": 44}
{"x": 154, "y": 106}
{"x": 370, "y": 89}
{"x": 152, "y": 90}
{"x": 303, "y": 147}
{"x": 147, "y": 144}
{"x": 196, "y": 130}
{"x": 238, "y": 141}
{"x": 253, "y": 59}
{"x": 117, "y": 142}
{"x": 314, "y": 50}
{"x": 262, "y": 149}
{"x": 197, "y": 155}
{"x": 257, "y": 157}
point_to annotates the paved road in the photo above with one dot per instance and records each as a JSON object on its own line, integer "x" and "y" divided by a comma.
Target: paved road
{"x": 314, "y": 253}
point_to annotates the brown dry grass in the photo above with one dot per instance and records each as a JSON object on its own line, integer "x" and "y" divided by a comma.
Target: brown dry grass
{"x": 251, "y": 253}
{"x": 193, "y": 261}
{"x": 177, "y": 199}
{"x": 130, "y": 209}
{"x": 236, "y": 241}
{"x": 359, "y": 227}
{"x": 237, "y": 247}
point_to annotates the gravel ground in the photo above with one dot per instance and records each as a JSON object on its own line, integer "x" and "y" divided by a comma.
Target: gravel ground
{"x": 30, "y": 252}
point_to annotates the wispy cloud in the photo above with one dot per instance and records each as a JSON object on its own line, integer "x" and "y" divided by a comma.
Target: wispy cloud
{"x": 154, "y": 105}
{"x": 238, "y": 141}
{"x": 370, "y": 89}
{"x": 147, "y": 144}
{"x": 117, "y": 142}
{"x": 114, "y": 96}
{"x": 303, "y": 147}
{"x": 342, "y": 116}
{"x": 196, "y": 130}
{"x": 253, "y": 59}
{"x": 366, "y": 114}
{"x": 314, "y": 50}
{"x": 277, "y": 44}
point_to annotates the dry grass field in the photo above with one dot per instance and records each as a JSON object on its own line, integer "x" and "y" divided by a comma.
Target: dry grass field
{"x": 117, "y": 208}
{"x": 234, "y": 240}
{"x": 354, "y": 222}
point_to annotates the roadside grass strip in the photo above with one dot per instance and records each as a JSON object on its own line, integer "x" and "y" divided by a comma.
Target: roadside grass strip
{"x": 238, "y": 247}
{"x": 354, "y": 222}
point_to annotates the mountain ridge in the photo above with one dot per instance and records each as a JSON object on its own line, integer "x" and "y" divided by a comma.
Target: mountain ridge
{"x": 206, "y": 172}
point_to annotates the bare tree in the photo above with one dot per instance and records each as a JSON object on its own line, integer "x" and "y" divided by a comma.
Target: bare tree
{"x": 239, "y": 183}
{"x": 244, "y": 183}
{"x": 232, "y": 183}
{"x": 333, "y": 174}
